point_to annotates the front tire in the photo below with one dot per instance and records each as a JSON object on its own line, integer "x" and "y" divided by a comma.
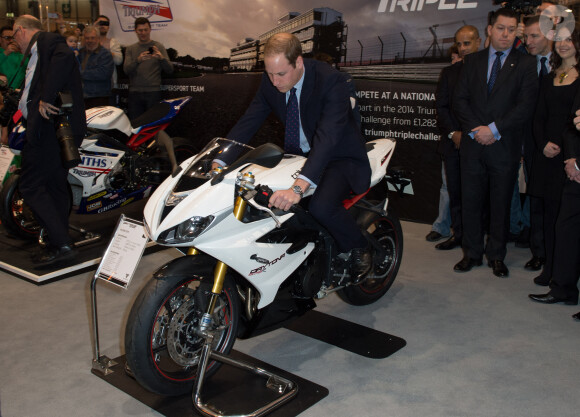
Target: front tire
{"x": 389, "y": 234}
{"x": 161, "y": 348}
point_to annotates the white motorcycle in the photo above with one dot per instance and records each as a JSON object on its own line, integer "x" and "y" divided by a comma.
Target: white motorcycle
{"x": 247, "y": 269}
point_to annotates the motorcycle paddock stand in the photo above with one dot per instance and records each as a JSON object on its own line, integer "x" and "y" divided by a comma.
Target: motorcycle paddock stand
{"x": 86, "y": 237}
{"x": 284, "y": 387}
{"x": 101, "y": 363}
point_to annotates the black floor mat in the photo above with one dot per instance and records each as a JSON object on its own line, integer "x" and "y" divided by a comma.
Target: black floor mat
{"x": 232, "y": 390}
{"x": 347, "y": 335}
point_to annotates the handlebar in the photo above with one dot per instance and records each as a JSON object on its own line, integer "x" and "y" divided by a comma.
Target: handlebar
{"x": 263, "y": 194}
{"x": 260, "y": 197}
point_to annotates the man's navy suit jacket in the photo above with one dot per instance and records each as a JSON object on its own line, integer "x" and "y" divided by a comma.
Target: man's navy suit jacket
{"x": 510, "y": 104}
{"x": 327, "y": 121}
{"x": 56, "y": 70}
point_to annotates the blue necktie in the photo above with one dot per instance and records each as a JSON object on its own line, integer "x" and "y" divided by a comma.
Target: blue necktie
{"x": 543, "y": 68}
{"x": 292, "y": 134}
{"x": 494, "y": 71}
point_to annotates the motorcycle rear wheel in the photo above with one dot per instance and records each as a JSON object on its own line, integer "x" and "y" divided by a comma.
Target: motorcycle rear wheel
{"x": 388, "y": 232}
{"x": 157, "y": 167}
{"x": 184, "y": 149}
{"x": 16, "y": 216}
{"x": 161, "y": 349}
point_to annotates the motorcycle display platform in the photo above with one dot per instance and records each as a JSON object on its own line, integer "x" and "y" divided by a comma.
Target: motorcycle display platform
{"x": 240, "y": 389}
{"x": 15, "y": 253}
{"x": 244, "y": 390}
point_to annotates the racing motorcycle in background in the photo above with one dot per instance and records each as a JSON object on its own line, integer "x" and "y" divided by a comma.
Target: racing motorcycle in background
{"x": 122, "y": 161}
{"x": 246, "y": 269}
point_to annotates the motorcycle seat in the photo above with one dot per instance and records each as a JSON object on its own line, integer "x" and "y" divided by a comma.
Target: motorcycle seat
{"x": 105, "y": 140}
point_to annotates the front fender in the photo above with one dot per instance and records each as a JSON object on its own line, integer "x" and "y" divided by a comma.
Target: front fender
{"x": 185, "y": 266}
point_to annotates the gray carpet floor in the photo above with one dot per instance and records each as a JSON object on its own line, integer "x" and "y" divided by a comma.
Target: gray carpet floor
{"x": 476, "y": 345}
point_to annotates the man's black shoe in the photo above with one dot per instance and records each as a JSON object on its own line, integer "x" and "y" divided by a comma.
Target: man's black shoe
{"x": 576, "y": 316}
{"x": 535, "y": 264}
{"x": 52, "y": 255}
{"x": 550, "y": 299}
{"x": 434, "y": 236}
{"x": 466, "y": 264}
{"x": 542, "y": 280}
{"x": 360, "y": 261}
{"x": 449, "y": 244}
{"x": 499, "y": 268}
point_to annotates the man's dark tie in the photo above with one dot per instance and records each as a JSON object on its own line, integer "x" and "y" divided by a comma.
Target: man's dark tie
{"x": 292, "y": 134}
{"x": 494, "y": 71}
{"x": 543, "y": 68}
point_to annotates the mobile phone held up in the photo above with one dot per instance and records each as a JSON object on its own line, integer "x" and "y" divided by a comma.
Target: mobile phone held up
{"x": 151, "y": 51}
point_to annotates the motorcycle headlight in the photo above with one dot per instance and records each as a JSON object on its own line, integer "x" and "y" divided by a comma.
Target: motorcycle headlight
{"x": 186, "y": 231}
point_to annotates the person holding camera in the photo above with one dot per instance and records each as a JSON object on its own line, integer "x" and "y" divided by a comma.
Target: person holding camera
{"x": 110, "y": 44}
{"x": 52, "y": 69}
{"x": 144, "y": 63}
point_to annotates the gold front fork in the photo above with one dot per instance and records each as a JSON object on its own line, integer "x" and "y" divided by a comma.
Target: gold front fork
{"x": 219, "y": 275}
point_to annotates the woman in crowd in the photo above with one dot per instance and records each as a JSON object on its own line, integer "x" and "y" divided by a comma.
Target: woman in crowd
{"x": 557, "y": 93}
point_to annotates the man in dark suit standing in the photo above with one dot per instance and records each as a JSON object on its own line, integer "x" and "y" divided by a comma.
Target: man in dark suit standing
{"x": 467, "y": 40}
{"x": 494, "y": 99}
{"x": 52, "y": 68}
{"x": 312, "y": 100}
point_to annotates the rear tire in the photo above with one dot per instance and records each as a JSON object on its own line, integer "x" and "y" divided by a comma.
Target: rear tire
{"x": 16, "y": 216}
{"x": 184, "y": 149}
{"x": 157, "y": 167}
{"x": 162, "y": 350}
{"x": 388, "y": 232}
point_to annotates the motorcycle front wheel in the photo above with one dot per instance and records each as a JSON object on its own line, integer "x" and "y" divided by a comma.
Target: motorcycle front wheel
{"x": 16, "y": 216}
{"x": 388, "y": 233}
{"x": 161, "y": 346}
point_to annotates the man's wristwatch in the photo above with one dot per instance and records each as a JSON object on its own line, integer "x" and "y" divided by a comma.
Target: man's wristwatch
{"x": 450, "y": 135}
{"x": 298, "y": 190}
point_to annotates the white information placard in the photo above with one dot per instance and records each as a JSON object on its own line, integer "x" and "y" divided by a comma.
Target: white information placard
{"x": 6, "y": 157}
{"x": 123, "y": 253}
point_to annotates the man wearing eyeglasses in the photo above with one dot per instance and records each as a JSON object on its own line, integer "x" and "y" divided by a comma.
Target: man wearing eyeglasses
{"x": 10, "y": 58}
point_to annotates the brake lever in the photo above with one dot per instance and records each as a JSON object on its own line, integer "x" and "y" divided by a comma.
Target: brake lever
{"x": 253, "y": 203}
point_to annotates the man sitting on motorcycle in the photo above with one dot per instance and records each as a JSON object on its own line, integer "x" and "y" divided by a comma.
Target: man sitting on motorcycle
{"x": 312, "y": 100}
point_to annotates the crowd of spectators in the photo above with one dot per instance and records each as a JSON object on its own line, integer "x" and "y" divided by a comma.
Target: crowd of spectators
{"x": 498, "y": 119}
{"x": 98, "y": 57}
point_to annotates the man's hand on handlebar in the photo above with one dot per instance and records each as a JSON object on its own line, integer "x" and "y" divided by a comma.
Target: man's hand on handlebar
{"x": 285, "y": 199}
